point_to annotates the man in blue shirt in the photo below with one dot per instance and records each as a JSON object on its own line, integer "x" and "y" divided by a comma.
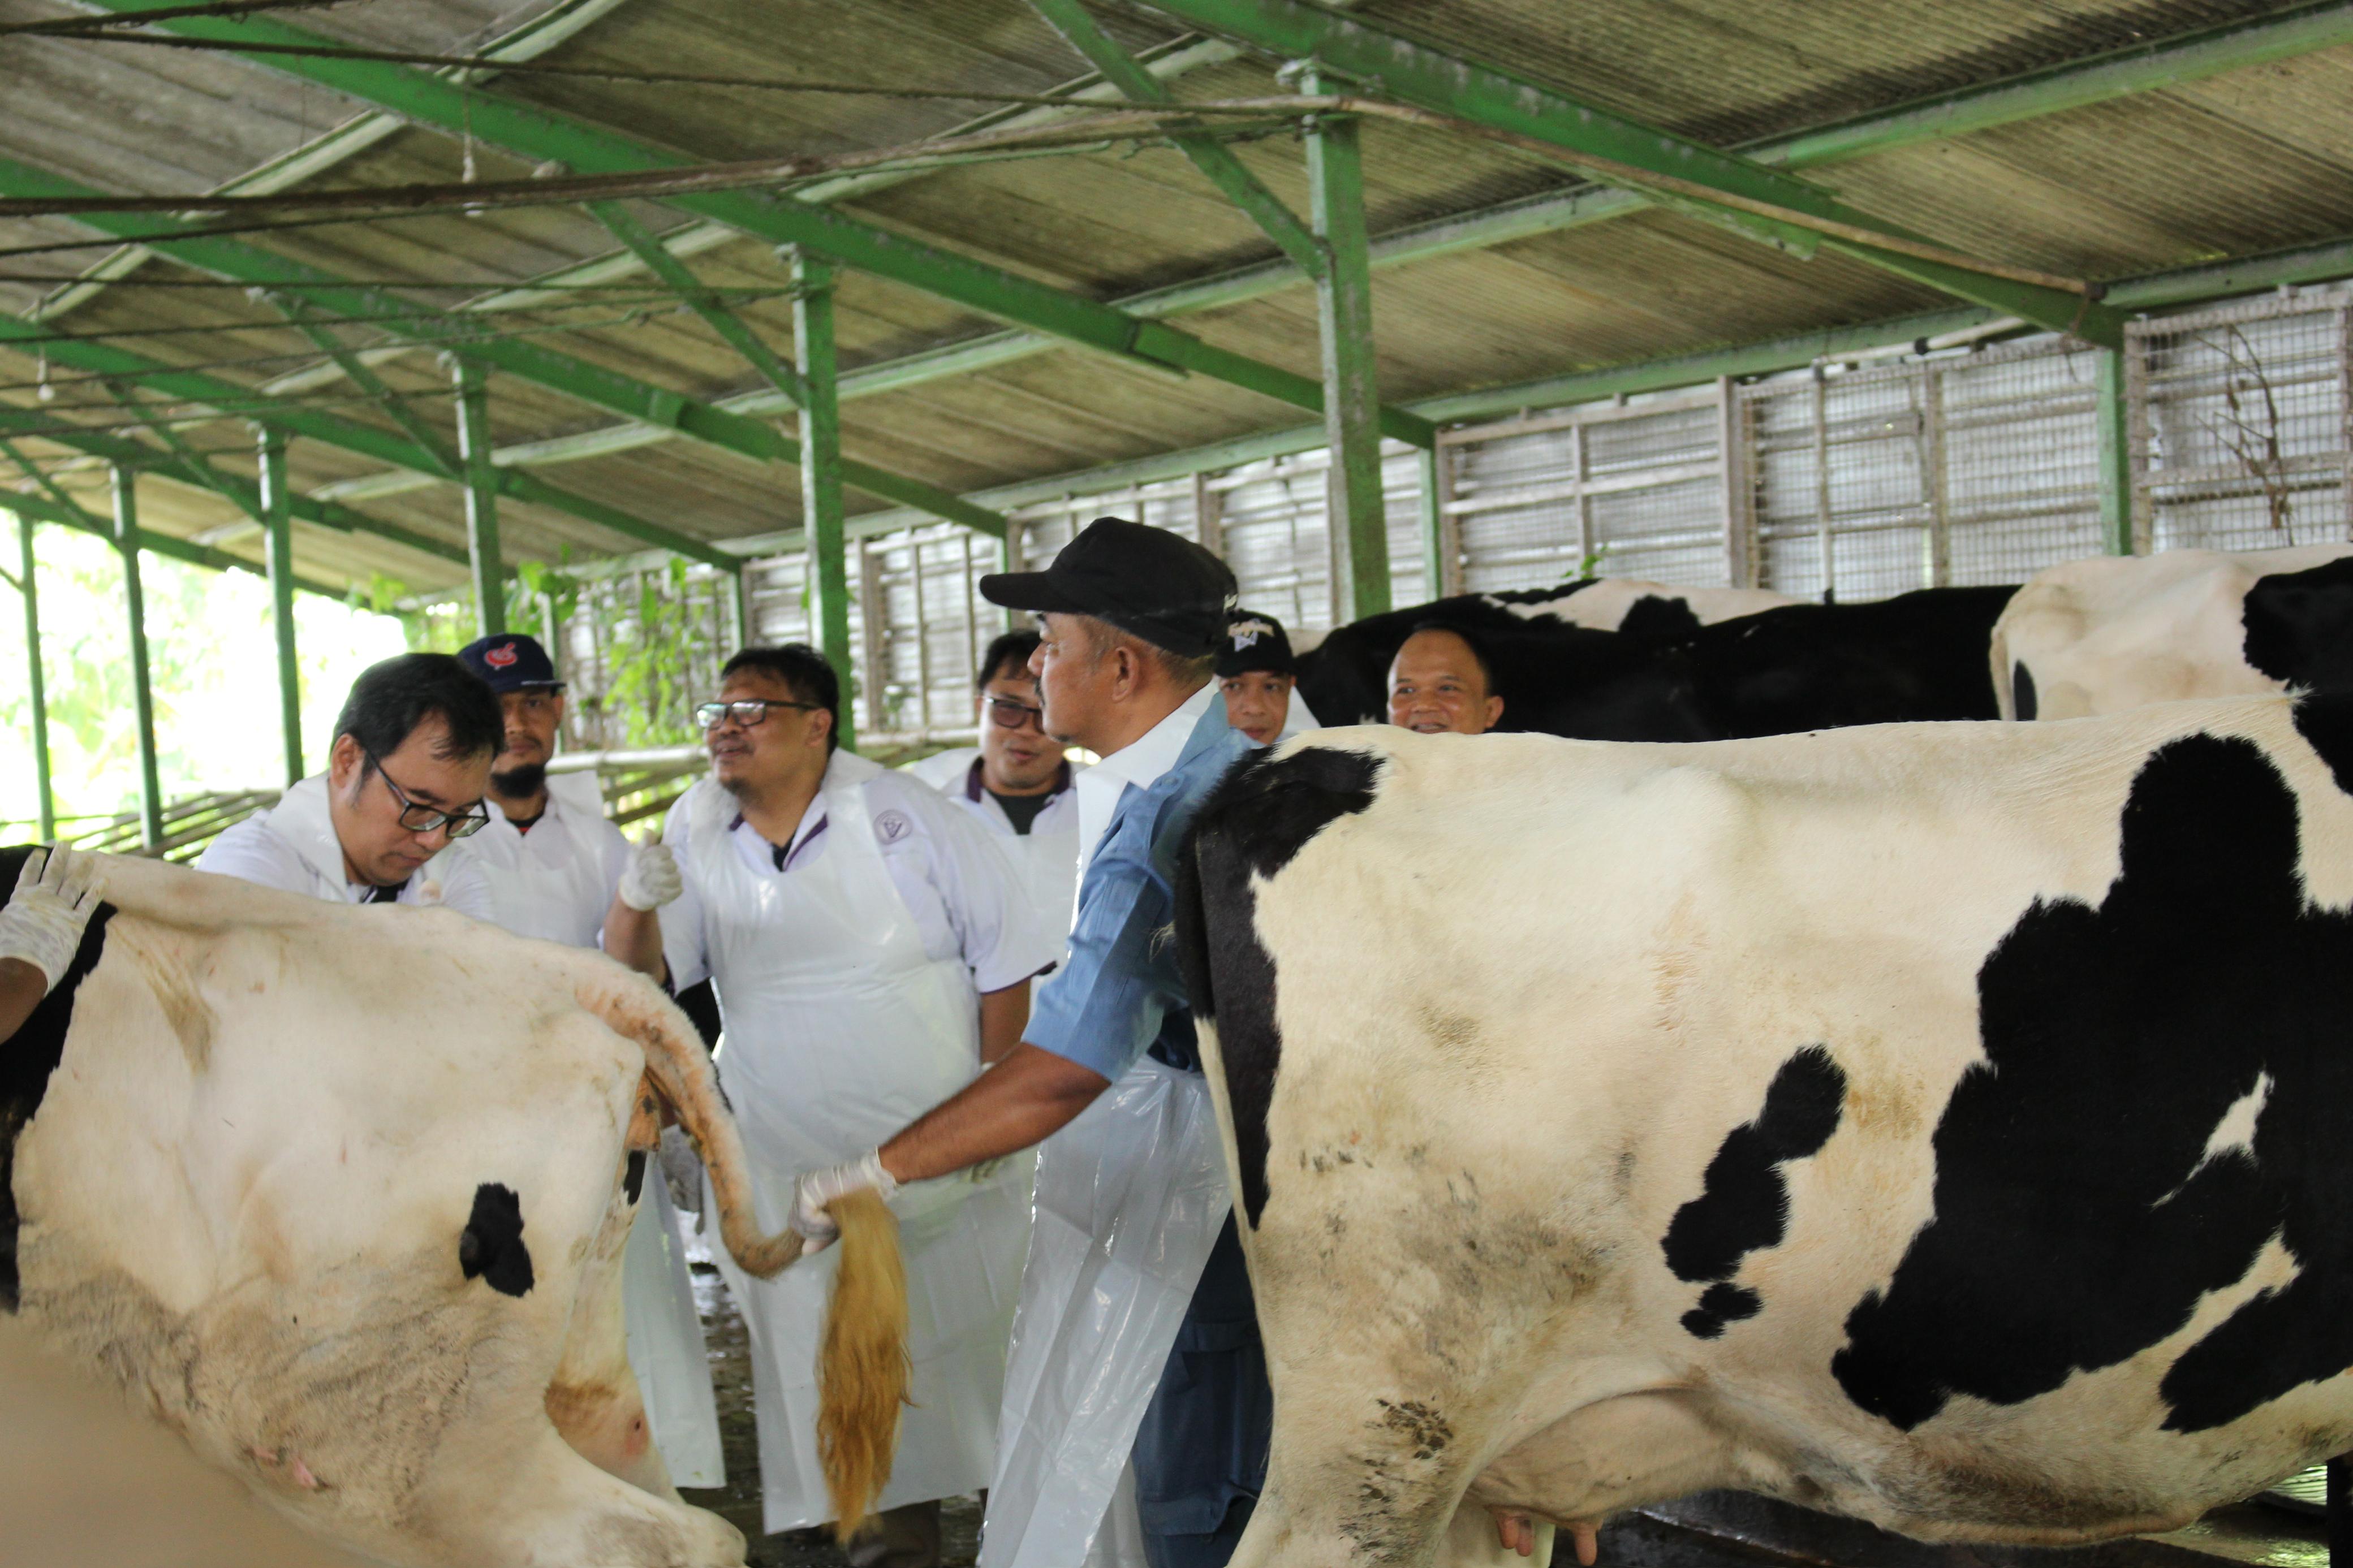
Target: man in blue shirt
{"x": 1131, "y": 618}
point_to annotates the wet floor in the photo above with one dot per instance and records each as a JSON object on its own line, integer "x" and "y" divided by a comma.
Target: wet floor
{"x": 739, "y": 1500}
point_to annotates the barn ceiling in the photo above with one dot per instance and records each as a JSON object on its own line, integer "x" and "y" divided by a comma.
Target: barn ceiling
{"x": 2093, "y": 140}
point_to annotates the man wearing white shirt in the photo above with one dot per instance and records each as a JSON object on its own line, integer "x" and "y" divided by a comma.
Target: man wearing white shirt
{"x": 553, "y": 865}
{"x": 1017, "y": 783}
{"x": 872, "y": 948}
{"x": 404, "y": 780}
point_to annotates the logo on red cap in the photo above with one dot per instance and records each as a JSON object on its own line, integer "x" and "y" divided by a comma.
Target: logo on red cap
{"x": 499, "y": 658}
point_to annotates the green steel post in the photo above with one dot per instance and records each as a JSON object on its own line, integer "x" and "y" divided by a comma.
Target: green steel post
{"x": 481, "y": 494}
{"x": 278, "y": 541}
{"x": 2115, "y": 453}
{"x": 39, "y": 689}
{"x": 828, "y": 572}
{"x": 142, "y": 693}
{"x": 1352, "y": 398}
{"x": 1433, "y": 524}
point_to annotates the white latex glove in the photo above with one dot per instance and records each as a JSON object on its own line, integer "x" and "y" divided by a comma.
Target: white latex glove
{"x": 813, "y": 1190}
{"x": 651, "y": 878}
{"x": 56, "y": 892}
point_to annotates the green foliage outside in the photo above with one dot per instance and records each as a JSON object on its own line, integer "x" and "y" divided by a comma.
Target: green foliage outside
{"x": 214, "y": 668}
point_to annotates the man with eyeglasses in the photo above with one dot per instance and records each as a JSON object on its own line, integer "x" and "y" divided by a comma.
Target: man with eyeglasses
{"x": 1017, "y": 782}
{"x": 405, "y": 779}
{"x": 872, "y": 948}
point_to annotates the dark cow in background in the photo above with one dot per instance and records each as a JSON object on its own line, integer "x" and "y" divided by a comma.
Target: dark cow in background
{"x": 1633, "y": 604}
{"x": 2114, "y": 632}
{"x": 1943, "y": 1125}
{"x": 1797, "y": 666}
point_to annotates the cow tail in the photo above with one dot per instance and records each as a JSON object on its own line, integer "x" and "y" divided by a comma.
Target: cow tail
{"x": 2005, "y": 705}
{"x": 862, "y": 1368}
{"x": 634, "y": 1006}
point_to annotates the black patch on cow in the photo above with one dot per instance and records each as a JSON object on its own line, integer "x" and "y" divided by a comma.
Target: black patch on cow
{"x": 1261, "y": 813}
{"x": 700, "y": 1002}
{"x": 2078, "y": 1218}
{"x": 2021, "y": 691}
{"x": 2325, "y": 719}
{"x": 1744, "y": 1201}
{"x": 1652, "y": 617}
{"x": 29, "y": 1057}
{"x": 2299, "y": 626}
{"x": 633, "y": 1179}
{"x": 491, "y": 1247}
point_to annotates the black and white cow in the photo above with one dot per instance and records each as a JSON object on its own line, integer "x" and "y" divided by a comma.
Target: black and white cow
{"x": 1634, "y": 604}
{"x": 339, "y": 1194}
{"x": 1795, "y": 666}
{"x": 2113, "y": 632}
{"x": 1944, "y": 1125}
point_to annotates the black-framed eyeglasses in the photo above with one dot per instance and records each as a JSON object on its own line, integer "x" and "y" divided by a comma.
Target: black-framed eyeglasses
{"x": 1008, "y": 714}
{"x": 418, "y": 818}
{"x": 746, "y": 711}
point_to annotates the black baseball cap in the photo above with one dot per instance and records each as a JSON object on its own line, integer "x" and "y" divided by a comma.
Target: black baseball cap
{"x": 1163, "y": 587}
{"x": 1253, "y": 641}
{"x": 511, "y": 662}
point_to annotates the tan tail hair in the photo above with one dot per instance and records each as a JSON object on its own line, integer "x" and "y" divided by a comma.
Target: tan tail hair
{"x": 862, "y": 1370}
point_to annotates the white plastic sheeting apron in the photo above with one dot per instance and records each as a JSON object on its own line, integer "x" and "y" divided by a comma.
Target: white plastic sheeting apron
{"x": 665, "y": 1342}
{"x": 1130, "y": 1198}
{"x": 839, "y": 1031}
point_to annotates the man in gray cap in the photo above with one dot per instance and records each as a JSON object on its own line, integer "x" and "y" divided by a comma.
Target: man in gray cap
{"x": 1154, "y": 1360}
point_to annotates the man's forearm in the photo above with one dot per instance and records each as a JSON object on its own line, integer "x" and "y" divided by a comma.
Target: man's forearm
{"x": 634, "y": 937}
{"x": 1003, "y": 1015}
{"x": 1025, "y": 1098}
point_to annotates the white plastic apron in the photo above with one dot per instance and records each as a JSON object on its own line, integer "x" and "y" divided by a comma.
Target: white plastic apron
{"x": 1130, "y": 1198}
{"x": 839, "y": 1031}
{"x": 664, "y": 1336}
{"x": 556, "y": 899}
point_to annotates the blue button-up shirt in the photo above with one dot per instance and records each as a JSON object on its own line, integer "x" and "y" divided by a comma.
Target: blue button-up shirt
{"x": 1119, "y": 994}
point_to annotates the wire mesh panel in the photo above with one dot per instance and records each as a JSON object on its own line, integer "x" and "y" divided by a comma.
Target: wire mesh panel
{"x": 2019, "y": 459}
{"x": 638, "y": 648}
{"x": 1633, "y": 491}
{"x": 2239, "y": 426}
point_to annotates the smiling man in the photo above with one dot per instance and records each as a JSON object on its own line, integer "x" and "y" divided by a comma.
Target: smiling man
{"x": 405, "y": 779}
{"x": 872, "y": 947}
{"x": 1441, "y": 683}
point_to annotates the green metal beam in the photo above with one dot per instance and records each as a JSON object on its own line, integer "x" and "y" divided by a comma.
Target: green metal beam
{"x": 278, "y": 535}
{"x": 540, "y": 134}
{"x": 489, "y": 572}
{"x": 193, "y": 469}
{"x": 2115, "y": 432}
{"x": 297, "y": 311}
{"x": 143, "y": 687}
{"x": 36, "y": 686}
{"x": 1212, "y": 157}
{"x": 821, "y": 521}
{"x": 69, "y": 513}
{"x": 1355, "y": 512}
{"x": 675, "y": 276}
{"x": 1413, "y": 72}
{"x": 574, "y": 377}
{"x": 1434, "y": 563}
{"x": 194, "y": 386}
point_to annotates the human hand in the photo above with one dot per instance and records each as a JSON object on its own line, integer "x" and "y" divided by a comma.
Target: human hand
{"x": 56, "y": 892}
{"x": 813, "y": 1191}
{"x": 652, "y": 877}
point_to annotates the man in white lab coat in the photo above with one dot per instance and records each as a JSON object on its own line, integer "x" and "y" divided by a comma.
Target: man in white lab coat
{"x": 404, "y": 780}
{"x": 872, "y": 947}
{"x": 1017, "y": 782}
{"x": 555, "y": 865}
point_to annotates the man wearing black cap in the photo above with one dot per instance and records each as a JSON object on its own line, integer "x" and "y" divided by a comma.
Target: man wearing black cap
{"x": 405, "y": 779}
{"x": 1259, "y": 680}
{"x": 1132, "y": 618}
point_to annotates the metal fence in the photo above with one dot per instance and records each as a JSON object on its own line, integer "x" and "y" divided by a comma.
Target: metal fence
{"x": 1856, "y": 481}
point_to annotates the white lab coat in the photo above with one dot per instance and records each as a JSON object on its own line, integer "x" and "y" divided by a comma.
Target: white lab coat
{"x": 557, "y": 881}
{"x": 845, "y": 1021}
{"x": 293, "y": 847}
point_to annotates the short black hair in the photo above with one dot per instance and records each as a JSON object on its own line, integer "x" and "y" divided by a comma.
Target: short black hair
{"x": 1013, "y": 648}
{"x": 390, "y": 700}
{"x": 1471, "y": 639}
{"x": 805, "y": 674}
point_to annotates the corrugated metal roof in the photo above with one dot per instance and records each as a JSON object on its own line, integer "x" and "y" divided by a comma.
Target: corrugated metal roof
{"x": 2240, "y": 164}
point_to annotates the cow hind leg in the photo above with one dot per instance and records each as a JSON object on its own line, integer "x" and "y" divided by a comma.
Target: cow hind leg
{"x": 551, "y": 1506}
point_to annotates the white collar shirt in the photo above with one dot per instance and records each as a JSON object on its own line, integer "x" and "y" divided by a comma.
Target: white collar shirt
{"x": 293, "y": 847}
{"x": 1138, "y": 763}
{"x": 557, "y": 881}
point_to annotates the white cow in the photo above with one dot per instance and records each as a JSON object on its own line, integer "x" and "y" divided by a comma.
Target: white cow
{"x": 2113, "y": 632}
{"x": 1945, "y": 1125}
{"x": 339, "y": 1195}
